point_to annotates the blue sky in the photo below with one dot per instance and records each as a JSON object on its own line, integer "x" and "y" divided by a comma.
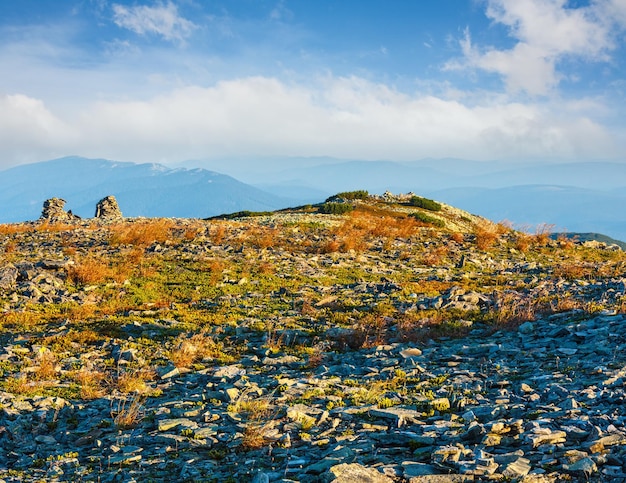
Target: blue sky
{"x": 167, "y": 81}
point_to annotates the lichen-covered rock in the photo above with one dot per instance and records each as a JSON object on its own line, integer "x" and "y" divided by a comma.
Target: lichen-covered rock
{"x": 355, "y": 473}
{"x": 8, "y": 276}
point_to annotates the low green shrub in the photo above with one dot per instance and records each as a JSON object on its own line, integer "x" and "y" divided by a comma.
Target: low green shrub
{"x": 335, "y": 208}
{"x": 240, "y": 214}
{"x": 424, "y": 203}
{"x": 349, "y": 195}
{"x": 431, "y": 220}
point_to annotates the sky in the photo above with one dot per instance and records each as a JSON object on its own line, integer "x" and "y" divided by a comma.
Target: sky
{"x": 173, "y": 80}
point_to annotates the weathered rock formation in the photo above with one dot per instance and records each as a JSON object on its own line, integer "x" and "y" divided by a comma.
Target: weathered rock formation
{"x": 53, "y": 211}
{"x": 107, "y": 209}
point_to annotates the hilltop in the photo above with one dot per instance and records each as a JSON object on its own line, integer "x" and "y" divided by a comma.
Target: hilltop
{"x": 367, "y": 338}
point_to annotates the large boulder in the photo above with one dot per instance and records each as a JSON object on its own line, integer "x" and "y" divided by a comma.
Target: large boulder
{"x": 107, "y": 209}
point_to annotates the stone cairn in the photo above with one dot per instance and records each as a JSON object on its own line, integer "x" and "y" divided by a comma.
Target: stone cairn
{"x": 107, "y": 209}
{"x": 53, "y": 211}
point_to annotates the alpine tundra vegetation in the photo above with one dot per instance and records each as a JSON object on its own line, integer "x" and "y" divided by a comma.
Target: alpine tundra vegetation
{"x": 383, "y": 338}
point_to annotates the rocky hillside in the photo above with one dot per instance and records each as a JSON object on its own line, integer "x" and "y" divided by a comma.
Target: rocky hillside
{"x": 374, "y": 339}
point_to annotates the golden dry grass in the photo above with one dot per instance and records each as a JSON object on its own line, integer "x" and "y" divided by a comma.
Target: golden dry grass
{"x": 486, "y": 235}
{"x": 366, "y": 225}
{"x": 54, "y": 227}
{"x": 134, "y": 381}
{"x": 189, "y": 349}
{"x": 574, "y": 270}
{"x": 127, "y": 413}
{"x": 219, "y": 233}
{"x": 253, "y": 408}
{"x": 512, "y": 309}
{"x": 435, "y": 256}
{"x": 18, "y": 385}
{"x": 142, "y": 233}
{"x": 457, "y": 237}
{"x": 523, "y": 241}
{"x": 12, "y": 229}
{"x": 255, "y": 436}
{"x": 46, "y": 367}
{"x": 91, "y": 270}
{"x": 20, "y": 320}
{"x": 91, "y": 383}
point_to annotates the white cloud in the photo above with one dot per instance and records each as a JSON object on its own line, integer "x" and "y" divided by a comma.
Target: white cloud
{"x": 545, "y": 31}
{"x": 30, "y": 132}
{"x": 163, "y": 20}
{"x": 614, "y": 11}
{"x": 342, "y": 117}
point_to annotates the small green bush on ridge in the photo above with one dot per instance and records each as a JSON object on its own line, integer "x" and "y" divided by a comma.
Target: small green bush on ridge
{"x": 431, "y": 220}
{"x": 349, "y": 195}
{"x": 424, "y": 203}
{"x": 335, "y": 208}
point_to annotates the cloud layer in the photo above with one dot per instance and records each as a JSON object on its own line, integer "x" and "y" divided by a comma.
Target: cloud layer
{"x": 154, "y": 86}
{"x": 343, "y": 117}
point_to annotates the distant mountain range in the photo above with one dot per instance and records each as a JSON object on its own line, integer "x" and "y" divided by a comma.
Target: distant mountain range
{"x": 574, "y": 197}
{"x": 141, "y": 190}
{"x": 331, "y": 175}
{"x": 580, "y": 197}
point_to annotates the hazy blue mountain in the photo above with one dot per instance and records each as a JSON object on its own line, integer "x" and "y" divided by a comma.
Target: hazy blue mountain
{"x": 375, "y": 176}
{"x": 141, "y": 190}
{"x": 587, "y": 197}
{"x": 597, "y": 175}
{"x": 378, "y": 176}
{"x": 567, "y": 208}
{"x": 300, "y": 194}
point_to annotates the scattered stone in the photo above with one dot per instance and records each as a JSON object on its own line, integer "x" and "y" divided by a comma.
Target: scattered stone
{"x": 8, "y": 277}
{"x": 517, "y": 469}
{"x": 229, "y": 372}
{"x": 354, "y": 473}
{"x": 443, "y": 479}
{"x": 411, "y": 352}
{"x": 261, "y": 478}
{"x": 526, "y": 328}
{"x": 295, "y": 398}
{"x": 167, "y": 424}
{"x": 584, "y": 466}
{"x": 546, "y": 436}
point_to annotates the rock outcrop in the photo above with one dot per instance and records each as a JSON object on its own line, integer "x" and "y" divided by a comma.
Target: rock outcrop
{"x": 53, "y": 210}
{"x": 107, "y": 209}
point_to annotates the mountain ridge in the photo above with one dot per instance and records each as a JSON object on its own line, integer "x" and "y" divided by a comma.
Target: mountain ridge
{"x": 147, "y": 189}
{"x": 527, "y": 195}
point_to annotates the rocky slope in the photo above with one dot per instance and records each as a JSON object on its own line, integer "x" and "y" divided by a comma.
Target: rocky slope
{"x": 301, "y": 346}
